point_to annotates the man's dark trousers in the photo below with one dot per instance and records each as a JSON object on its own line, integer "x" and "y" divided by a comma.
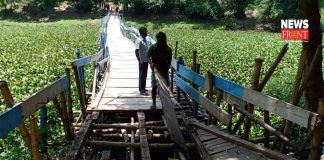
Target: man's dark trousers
{"x": 143, "y": 75}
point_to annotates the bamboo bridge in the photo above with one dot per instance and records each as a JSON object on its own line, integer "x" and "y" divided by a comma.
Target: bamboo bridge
{"x": 116, "y": 122}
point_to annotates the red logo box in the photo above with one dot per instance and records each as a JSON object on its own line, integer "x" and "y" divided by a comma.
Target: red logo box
{"x": 294, "y": 34}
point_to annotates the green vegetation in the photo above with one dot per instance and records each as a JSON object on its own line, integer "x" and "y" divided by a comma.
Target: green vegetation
{"x": 32, "y": 56}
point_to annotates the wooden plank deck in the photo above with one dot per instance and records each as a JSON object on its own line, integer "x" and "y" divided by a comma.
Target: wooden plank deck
{"x": 221, "y": 149}
{"x": 121, "y": 90}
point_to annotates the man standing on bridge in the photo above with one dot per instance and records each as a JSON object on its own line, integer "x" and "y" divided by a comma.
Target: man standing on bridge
{"x": 161, "y": 56}
{"x": 142, "y": 44}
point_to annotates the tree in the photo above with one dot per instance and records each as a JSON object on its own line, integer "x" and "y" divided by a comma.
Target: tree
{"x": 309, "y": 9}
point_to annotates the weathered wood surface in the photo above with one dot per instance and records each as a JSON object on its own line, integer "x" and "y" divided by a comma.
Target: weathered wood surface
{"x": 122, "y": 83}
{"x": 205, "y": 103}
{"x": 250, "y": 147}
{"x": 218, "y": 148}
{"x": 81, "y": 136}
{"x": 168, "y": 103}
{"x": 145, "y": 150}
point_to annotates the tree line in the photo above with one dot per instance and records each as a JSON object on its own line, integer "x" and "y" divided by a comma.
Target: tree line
{"x": 264, "y": 10}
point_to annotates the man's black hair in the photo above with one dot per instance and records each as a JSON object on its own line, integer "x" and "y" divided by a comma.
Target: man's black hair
{"x": 142, "y": 29}
{"x": 161, "y": 36}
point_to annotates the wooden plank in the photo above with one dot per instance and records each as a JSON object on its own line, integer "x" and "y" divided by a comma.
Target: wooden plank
{"x": 42, "y": 97}
{"x": 238, "y": 141}
{"x": 207, "y": 138}
{"x": 168, "y": 104}
{"x": 106, "y": 155}
{"x": 10, "y": 119}
{"x": 221, "y": 148}
{"x": 123, "y": 107}
{"x": 205, "y": 103}
{"x": 145, "y": 151}
{"x": 193, "y": 77}
{"x": 286, "y": 110}
{"x": 239, "y": 153}
{"x": 214, "y": 142}
{"x": 81, "y": 136}
{"x": 85, "y": 60}
{"x": 97, "y": 99}
{"x": 200, "y": 147}
{"x": 127, "y": 101}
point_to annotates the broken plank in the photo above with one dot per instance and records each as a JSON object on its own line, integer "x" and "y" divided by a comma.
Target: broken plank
{"x": 81, "y": 136}
{"x": 145, "y": 151}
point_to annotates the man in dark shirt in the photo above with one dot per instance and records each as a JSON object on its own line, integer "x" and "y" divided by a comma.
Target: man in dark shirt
{"x": 161, "y": 56}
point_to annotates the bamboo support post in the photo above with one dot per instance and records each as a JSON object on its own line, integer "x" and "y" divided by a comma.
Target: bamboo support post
{"x": 238, "y": 124}
{"x": 262, "y": 84}
{"x": 81, "y": 96}
{"x": 255, "y": 84}
{"x": 266, "y": 126}
{"x": 179, "y": 62}
{"x": 172, "y": 69}
{"x": 318, "y": 135}
{"x": 273, "y": 67}
{"x": 69, "y": 99}
{"x": 58, "y": 107}
{"x": 194, "y": 68}
{"x": 210, "y": 95}
{"x": 65, "y": 120}
{"x": 34, "y": 137}
{"x": 299, "y": 88}
{"x": 132, "y": 154}
{"x": 218, "y": 102}
{"x": 9, "y": 101}
{"x": 43, "y": 130}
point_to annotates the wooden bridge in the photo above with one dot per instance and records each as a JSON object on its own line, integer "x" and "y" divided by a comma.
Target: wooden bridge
{"x": 116, "y": 122}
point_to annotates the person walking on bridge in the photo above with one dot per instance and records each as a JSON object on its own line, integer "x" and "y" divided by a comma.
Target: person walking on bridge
{"x": 161, "y": 56}
{"x": 142, "y": 45}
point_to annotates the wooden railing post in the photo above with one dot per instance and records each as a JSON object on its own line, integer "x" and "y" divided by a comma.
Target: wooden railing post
{"x": 318, "y": 135}
{"x": 194, "y": 68}
{"x": 78, "y": 80}
{"x": 255, "y": 84}
{"x": 34, "y": 137}
{"x": 210, "y": 92}
{"x": 172, "y": 69}
{"x": 179, "y": 62}
{"x": 43, "y": 130}
{"x": 69, "y": 100}
{"x": 9, "y": 103}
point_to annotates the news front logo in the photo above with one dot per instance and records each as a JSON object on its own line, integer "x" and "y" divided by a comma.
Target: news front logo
{"x": 292, "y": 29}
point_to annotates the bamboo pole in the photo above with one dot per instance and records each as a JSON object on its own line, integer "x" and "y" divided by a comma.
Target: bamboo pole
{"x": 133, "y": 145}
{"x": 65, "y": 120}
{"x": 179, "y": 62}
{"x": 255, "y": 84}
{"x": 132, "y": 154}
{"x": 172, "y": 69}
{"x": 9, "y": 101}
{"x": 266, "y": 126}
{"x": 194, "y": 68}
{"x": 81, "y": 97}
{"x": 69, "y": 100}
{"x": 43, "y": 130}
{"x": 299, "y": 87}
{"x": 318, "y": 135}
{"x": 262, "y": 84}
{"x": 34, "y": 137}
{"x": 210, "y": 92}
